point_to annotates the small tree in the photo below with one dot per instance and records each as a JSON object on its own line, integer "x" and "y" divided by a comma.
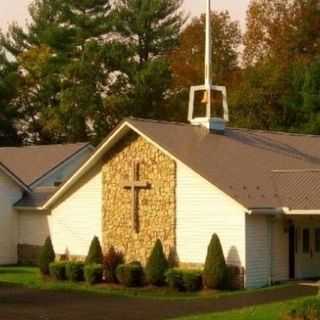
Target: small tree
{"x": 47, "y": 256}
{"x": 95, "y": 255}
{"x": 157, "y": 265}
{"x": 110, "y": 263}
{"x": 215, "y": 268}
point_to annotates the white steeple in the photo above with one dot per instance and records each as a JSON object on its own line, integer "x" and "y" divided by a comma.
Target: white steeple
{"x": 207, "y": 121}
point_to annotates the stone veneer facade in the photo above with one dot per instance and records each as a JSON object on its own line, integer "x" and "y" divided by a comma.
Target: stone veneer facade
{"x": 155, "y": 205}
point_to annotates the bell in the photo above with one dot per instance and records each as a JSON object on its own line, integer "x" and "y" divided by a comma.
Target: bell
{"x": 205, "y": 97}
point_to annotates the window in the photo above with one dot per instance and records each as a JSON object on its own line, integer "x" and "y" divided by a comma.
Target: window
{"x": 317, "y": 239}
{"x": 306, "y": 240}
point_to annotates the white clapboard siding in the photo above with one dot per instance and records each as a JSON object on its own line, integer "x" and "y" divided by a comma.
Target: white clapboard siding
{"x": 73, "y": 222}
{"x": 10, "y": 192}
{"x": 258, "y": 262}
{"x": 203, "y": 210}
{"x": 267, "y": 251}
{"x": 280, "y": 251}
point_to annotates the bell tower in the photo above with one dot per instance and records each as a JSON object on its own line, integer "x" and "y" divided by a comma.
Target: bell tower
{"x": 209, "y": 122}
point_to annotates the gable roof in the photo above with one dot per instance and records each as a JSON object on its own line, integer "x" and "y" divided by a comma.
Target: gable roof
{"x": 28, "y": 164}
{"x": 242, "y": 163}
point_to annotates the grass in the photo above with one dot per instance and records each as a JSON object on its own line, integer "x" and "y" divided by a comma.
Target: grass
{"x": 274, "y": 311}
{"x": 31, "y": 278}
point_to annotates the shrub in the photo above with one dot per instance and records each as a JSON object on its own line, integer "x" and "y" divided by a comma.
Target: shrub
{"x": 157, "y": 265}
{"x": 215, "y": 269}
{"x": 93, "y": 273}
{"x": 308, "y": 309}
{"x": 95, "y": 255}
{"x": 184, "y": 280}
{"x": 130, "y": 275}
{"x": 192, "y": 280}
{"x": 174, "y": 279}
{"x": 110, "y": 263}
{"x": 74, "y": 271}
{"x": 47, "y": 256}
{"x": 234, "y": 280}
{"x": 58, "y": 270}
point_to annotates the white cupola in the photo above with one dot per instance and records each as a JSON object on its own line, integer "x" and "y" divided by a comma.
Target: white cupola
{"x": 211, "y": 123}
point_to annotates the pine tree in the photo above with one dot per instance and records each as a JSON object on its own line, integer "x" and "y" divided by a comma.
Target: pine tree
{"x": 47, "y": 255}
{"x": 65, "y": 57}
{"x": 214, "y": 274}
{"x": 150, "y": 29}
{"x": 8, "y": 113}
{"x": 157, "y": 265}
{"x": 95, "y": 255}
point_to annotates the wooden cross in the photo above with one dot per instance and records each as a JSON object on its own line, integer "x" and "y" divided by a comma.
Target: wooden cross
{"x": 134, "y": 185}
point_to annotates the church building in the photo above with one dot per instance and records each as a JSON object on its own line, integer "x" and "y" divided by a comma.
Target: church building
{"x": 177, "y": 182}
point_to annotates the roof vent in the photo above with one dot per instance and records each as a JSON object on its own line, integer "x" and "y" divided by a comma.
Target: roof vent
{"x": 216, "y": 125}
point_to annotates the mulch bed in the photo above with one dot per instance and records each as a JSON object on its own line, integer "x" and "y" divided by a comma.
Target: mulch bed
{"x": 18, "y": 303}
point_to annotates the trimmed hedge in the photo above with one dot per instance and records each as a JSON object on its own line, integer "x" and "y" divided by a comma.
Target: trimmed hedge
{"x": 58, "y": 271}
{"x": 74, "y": 271}
{"x": 130, "y": 275}
{"x": 110, "y": 263}
{"x": 93, "y": 273}
{"x": 308, "y": 309}
{"x": 47, "y": 256}
{"x": 215, "y": 269}
{"x": 184, "y": 280}
{"x": 95, "y": 255}
{"x": 157, "y": 265}
{"x": 192, "y": 280}
{"x": 174, "y": 279}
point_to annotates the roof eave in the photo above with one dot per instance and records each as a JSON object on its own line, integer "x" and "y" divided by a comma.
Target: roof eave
{"x": 15, "y": 178}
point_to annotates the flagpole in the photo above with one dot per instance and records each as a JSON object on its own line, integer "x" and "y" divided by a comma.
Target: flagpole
{"x": 208, "y": 57}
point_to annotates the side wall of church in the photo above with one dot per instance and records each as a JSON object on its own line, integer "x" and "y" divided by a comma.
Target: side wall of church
{"x": 155, "y": 206}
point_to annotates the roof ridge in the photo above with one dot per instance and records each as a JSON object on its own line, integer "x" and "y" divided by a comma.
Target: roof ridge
{"x": 230, "y": 128}
{"x": 47, "y": 145}
{"x": 275, "y": 132}
{"x": 158, "y": 121}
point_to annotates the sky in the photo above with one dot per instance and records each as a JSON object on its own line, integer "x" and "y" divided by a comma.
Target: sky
{"x": 17, "y": 10}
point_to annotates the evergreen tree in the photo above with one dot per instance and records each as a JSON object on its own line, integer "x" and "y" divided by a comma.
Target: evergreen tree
{"x": 8, "y": 113}
{"x": 66, "y": 62}
{"x": 150, "y": 29}
{"x": 47, "y": 256}
{"x": 95, "y": 255}
{"x": 157, "y": 265}
{"x": 215, "y": 269}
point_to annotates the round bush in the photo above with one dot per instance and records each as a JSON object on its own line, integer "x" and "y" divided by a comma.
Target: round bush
{"x": 74, "y": 271}
{"x": 174, "y": 279}
{"x": 93, "y": 273}
{"x": 308, "y": 309}
{"x": 157, "y": 265}
{"x": 58, "y": 271}
{"x": 130, "y": 275}
{"x": 192, "y": 280}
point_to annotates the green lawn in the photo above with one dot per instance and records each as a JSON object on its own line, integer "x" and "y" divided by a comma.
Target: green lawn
{"x": 266, "y": 312}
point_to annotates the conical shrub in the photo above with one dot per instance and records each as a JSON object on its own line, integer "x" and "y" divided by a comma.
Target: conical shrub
{"x": 215, "y": 268}
{"x": 157, "y": 265}
{"x": 95, "y": 255}
{"x": 47, "y": 256}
